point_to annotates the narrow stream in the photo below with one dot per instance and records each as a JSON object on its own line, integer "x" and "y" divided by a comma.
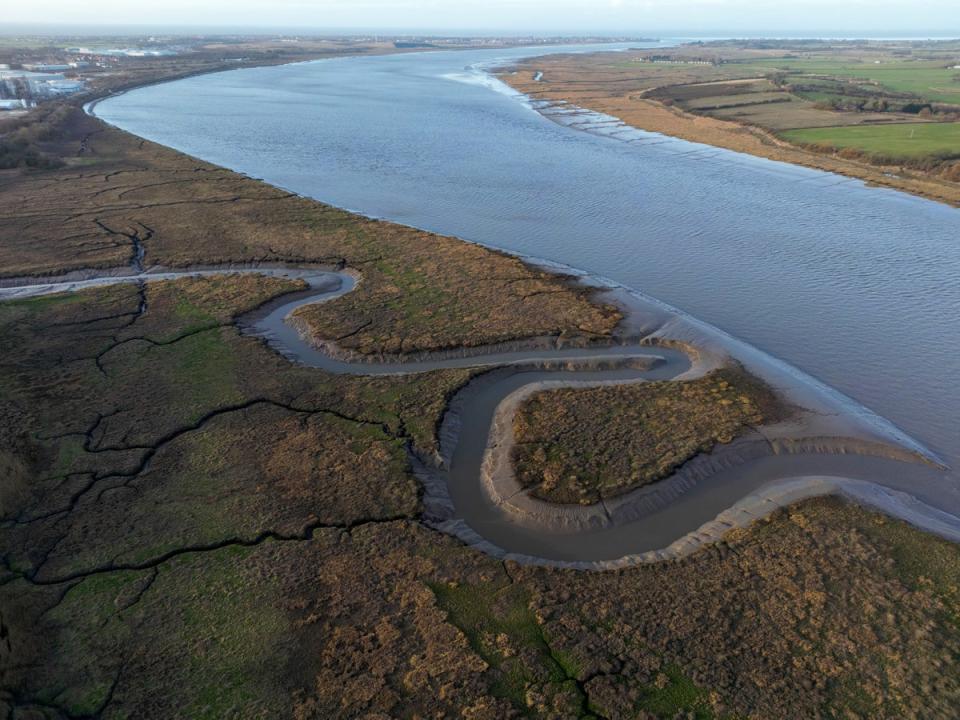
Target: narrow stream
{"x": 857, "y": 287}
{"x": 474, "y": 516}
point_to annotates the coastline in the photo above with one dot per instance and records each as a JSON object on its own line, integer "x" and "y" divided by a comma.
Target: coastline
{"x": 688, "y": 332}
{"x": 636, "y": 305}
{"x": 797, "y": 435}
{"x": 643, "y": 114}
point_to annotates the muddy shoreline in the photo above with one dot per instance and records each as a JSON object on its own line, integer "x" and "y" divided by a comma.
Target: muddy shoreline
{"x": 615, "y": 118}
{"x": 469, "y": 490}
{"x": 825, "y": 423}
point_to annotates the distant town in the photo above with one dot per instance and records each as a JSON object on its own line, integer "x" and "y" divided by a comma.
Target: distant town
{"x": 61, "y": 72}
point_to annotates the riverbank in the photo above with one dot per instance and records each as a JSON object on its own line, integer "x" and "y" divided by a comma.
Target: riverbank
{"x": 195, "y": 526}
{"x": 704, "y": 229}
{"x": 387, "y": 322}
{"x": 565, "y": 79}
{"x": 469, "y": 480}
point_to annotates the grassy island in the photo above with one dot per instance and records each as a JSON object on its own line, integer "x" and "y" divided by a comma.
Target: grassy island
{"x": 583, "y": 445}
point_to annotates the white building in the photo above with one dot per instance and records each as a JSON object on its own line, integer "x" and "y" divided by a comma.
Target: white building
{"x": 64, "y": 87}
{"x": 23, "y": 84}
{"x": 121, "y": 52}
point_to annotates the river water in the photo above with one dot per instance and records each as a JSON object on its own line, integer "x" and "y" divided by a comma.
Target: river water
{"x": 857, "y": 286}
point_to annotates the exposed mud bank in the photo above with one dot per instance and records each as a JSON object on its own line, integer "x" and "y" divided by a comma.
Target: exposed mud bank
{"x": 475, "y": 352}
{"x": 755, "y": 507}
{"x": 12, "y": 288}
{"x": 499, "y": 481}
{"x": 469, "y": 488}
{"x": 821, "y": 411}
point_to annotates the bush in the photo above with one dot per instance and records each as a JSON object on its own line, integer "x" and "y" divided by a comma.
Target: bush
{"x": 14, "y": 154}
{"x": 21, "y": 138}
{"x": 952, "y": 172}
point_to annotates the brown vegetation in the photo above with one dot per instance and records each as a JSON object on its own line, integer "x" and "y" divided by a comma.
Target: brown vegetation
{"x": 420, "y": 291}
{"x": 808, "y": 614}
{"x": 582, "y": 445}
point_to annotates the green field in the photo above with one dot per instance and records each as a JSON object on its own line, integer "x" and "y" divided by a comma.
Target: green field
{"x": 909, "y": 140}
{"x": 930, "y": 81}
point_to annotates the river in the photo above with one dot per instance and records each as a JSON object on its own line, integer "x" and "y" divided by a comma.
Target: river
{"x": 856, "y": 286}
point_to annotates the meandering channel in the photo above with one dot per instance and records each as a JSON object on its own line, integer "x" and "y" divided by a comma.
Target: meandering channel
{"x": 855, "y": 286}
{"x": 827, "y": 452}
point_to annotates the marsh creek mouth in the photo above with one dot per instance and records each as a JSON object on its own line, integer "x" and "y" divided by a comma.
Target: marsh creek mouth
{"x": 828, "y": 448}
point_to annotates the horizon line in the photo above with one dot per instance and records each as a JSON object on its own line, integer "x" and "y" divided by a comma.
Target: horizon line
{"x": 45, "y": 27}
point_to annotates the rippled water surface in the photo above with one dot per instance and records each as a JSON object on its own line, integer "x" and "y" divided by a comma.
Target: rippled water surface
{"x": 857, "y": 286}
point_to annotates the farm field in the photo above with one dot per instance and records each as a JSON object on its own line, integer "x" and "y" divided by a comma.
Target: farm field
{"x": 928, "y": 80}
{"x": 795, "y": 101}
{"x": 895, "y": 141}
{"x": 762, "y": 103}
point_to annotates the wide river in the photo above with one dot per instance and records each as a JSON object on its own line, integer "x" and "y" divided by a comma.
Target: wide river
{"x": 857, "y": 286}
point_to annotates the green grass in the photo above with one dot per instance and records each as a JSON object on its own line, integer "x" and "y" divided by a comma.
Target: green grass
{"x": 679, "y": 695}
{"x": 224, "y": 672}
{"x": 70, "y": 450}
{"x": 922, "y": 561}
{"x": 90, "y": 603}
{"x": 907, "y": 140}
{"x": 930, "y": 81}
{"x": 191, "y": 316}
{"x": 486, "y": 611}
{"x": 205, "y": 368}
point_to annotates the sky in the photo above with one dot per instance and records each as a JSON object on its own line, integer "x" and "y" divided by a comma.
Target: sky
{"x": 899, "y": 18}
